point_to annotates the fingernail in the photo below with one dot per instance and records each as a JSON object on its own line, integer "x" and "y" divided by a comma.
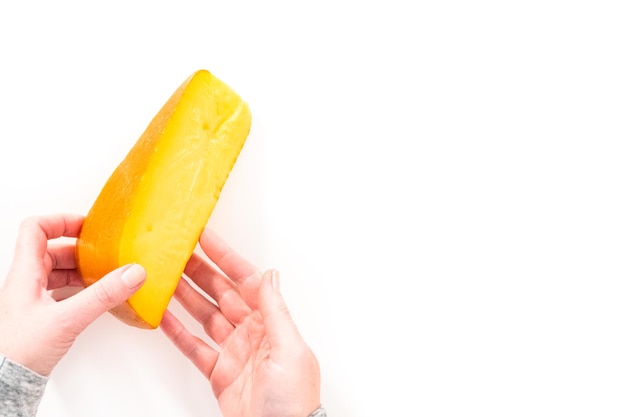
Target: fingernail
{"x": 133, "y": 275}
{"x": 275, "y": 281}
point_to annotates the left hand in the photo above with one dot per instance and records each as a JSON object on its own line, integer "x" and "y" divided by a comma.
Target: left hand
{"x": 36, "y": 330}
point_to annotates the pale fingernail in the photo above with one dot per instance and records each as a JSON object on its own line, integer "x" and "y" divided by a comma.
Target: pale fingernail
{"x": 134, "y": 275}
{"x": 275, "y": 281}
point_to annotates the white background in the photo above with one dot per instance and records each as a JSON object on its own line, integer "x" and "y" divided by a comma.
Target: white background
{"x": 442, "y": 185}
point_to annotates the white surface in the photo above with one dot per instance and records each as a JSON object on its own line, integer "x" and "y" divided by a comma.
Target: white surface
{"x": 442, "y": 186}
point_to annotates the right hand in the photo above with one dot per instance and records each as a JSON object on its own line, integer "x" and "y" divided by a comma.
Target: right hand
{"x": 263, "y": 367}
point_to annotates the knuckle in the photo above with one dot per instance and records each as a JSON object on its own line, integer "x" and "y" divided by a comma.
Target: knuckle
{"x": 104, "y": 296}
{"x": 29, "y": 222}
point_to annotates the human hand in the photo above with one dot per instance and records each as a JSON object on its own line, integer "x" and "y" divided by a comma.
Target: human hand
{"x": 36, "y": 330}
{"x": 263, "y": 367}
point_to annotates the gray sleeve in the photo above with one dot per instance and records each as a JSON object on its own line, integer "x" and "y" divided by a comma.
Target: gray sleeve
{"x": 320, "y": 412}
{"x": 20, "y": 389}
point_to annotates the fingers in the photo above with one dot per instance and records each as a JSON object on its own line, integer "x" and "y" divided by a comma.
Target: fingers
{"x": 215, "y": 324}
{"x": 201, "y": 355}
{"x": 111, "y": 290}
{"x": 218, "y": 287}
{"x": 31, "y": 257}
{"x": 281, "y": 331}
{"x": 63, "y": 266}
{"x": 34, "y": 233}
{"x": 60, "y": 278}
{"x": 238, "y": 269}
{"x": 62, "y": 256}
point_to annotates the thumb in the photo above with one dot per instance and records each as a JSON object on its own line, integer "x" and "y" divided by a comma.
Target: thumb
{"x": 280, "y": 328}
{"x": 110, "y": 291}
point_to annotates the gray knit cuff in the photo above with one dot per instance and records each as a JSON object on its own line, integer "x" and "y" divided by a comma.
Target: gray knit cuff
{"x": 320, "y": 412}
{"x": 20, "y": 389}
